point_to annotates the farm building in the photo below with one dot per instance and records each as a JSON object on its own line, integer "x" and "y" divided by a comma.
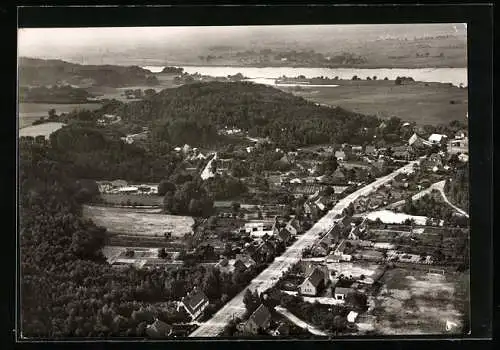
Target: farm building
{"x": 194, "y": 303}
{"x": 458, "y": 146}
{"x": 437, "y": 138}
{"x": 260, "y": 228}
{"x": 259, "y": 320}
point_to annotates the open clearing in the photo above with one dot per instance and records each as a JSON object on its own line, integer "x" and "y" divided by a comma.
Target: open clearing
{"x": 418, "y": 302}
{"x": 133, "y": 223}
{"x": 431, "y": 104}
{"x": 29, "y": 112}
{"x": 41, "y": 129}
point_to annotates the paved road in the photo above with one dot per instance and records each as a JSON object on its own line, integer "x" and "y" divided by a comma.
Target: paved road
{"x": 268, "y": 278}
{"x": 310, "y": 328}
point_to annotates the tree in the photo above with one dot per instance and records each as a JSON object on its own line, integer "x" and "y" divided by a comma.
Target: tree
{"x": 162, "y": 253}
{"x": 165, "y": 186}
{"x": 52, "y": 114}
{"x": 398, "y": 81}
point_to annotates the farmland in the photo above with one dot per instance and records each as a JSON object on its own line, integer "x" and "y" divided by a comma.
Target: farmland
{"x": 428, "y": 301}
{"x": 41, "y": 129}
{"x": 424, "y": 103}
{"x": 133, "y": 200}
{"x": 29, "y": 112}
{"x": 139, "y": 224}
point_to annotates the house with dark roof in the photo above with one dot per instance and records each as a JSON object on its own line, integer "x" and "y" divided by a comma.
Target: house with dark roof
{"x": 314, "y": 282}
{"x": 243, "y": 262}
{"x": 194, "y": 303}
{"x": 158, "y": 329}
{"x": 259, "y": 320}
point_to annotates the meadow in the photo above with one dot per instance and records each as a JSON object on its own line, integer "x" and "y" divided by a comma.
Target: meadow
{"x": 417, "y": 302}
{"x": 29, "y": 112}
{"x": 132, "y": 223}
{"x": 424, "y": 103}
{"x": 41, "y": 129}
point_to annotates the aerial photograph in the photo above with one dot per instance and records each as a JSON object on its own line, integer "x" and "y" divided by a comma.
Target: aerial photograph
{"x": 243, "y": 182}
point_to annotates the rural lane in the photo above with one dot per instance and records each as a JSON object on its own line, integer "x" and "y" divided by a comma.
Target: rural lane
{"x": 268, "y": 278}
{"x": 297, "y": 321}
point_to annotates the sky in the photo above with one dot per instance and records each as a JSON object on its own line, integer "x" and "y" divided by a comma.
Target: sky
{"x": 68, "y": 42}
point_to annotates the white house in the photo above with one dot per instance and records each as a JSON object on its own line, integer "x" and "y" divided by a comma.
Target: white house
{"x": 351, "y": 317}
{"x": 259, "y": 228}
{"x": 437, "y": 138}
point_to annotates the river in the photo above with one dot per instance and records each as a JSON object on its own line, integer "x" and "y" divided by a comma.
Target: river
{"x": 266, "y": 75}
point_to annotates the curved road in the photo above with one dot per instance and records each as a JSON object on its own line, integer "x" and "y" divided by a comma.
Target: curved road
{"x": 268, "y": 278}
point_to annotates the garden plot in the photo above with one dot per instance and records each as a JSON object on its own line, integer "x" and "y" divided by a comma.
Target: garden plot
{"x": 133, "y": 223}
{"x": 418, "y": 302}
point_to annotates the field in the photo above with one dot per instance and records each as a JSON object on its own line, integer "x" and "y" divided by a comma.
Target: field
{"x": 139, "y": 224}
{"x": 417, "y": 102}
{"x": 29, "y": 112}
{"x": 42, "y": 129}
{"x": 122, "y": 199}
{"x": 355, "y": 269}
{"x": 416, "y": 302}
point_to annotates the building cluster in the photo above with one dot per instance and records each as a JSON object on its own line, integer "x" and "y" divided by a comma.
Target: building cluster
{"x": 123, "y": 187}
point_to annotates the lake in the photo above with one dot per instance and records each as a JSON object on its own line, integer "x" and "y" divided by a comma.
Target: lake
{"x": 29, "y": 112}
{"x": 455, "y": 76}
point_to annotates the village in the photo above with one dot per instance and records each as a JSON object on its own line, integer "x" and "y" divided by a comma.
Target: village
{"x": 342, "y": 273}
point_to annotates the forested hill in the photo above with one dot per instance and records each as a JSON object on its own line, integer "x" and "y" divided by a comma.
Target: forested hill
{"x": 33, "y": 71}
{"x": 261, "y": 110}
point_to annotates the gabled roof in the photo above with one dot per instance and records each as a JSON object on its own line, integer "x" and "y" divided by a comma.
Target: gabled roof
{"x": 315, "y": 277}
{"x": 158, "y": 329}
{"x": 295, "y": 223}
{"x": 260, "y": 316}
{"x": 194, "y": 301}
{"x": 284, "y": 234}
{"x": 246, "y": 260}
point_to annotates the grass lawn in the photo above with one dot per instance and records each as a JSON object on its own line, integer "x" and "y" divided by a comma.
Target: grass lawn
{"x": 416, "y": 302}
{"x": 140, "y": 224}
{"x": 413, "y": 102}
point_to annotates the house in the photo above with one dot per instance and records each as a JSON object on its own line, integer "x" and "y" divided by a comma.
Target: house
{"x": 194, "y": 303}
{"x": 158, "y": 329}
{"x": 259, "y": 320}
{"x": 417, "y": 142}
{"x": 434, "y": 160}
{"x": 463, "y": 157}
{"x": 319, "y": 249}
{"x": 461, "y": 134}
{"x": 243, "y": 262}
{"x": 294, "y": 227}
{"x": 340, "y": 293}
{"x": 458, "y": 146}
{"x": 351, "y": 316}
{"x": 321, "y": 203}
{"x": 338, "y": 175}
{"x": 259, "y": 228}
{"x": 119, "y": 183}
{"x": 437, "y": 138}
{"x": 313, "y": 283}
{"x": 341, "y": 156}
{"x": 370, "y": 150}
{"x": 357, "y": 149}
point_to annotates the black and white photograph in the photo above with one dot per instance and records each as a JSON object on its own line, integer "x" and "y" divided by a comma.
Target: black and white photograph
{"x": 244, "y": 181}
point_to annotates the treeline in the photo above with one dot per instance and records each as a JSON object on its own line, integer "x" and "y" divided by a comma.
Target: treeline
{"x": 54, "y": 94}
{"x": 457, "y": 189}
{"x": 100, "y": 154}
{"x": 47, "y": 72}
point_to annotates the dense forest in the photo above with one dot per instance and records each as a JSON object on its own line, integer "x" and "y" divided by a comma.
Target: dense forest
{"x": 34, "y": 71}
{"x": 95, "y": 153}
{"x": 54, "y": 94}
{"x": 68, "y": 289}
{"x": 261, "y": 110}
